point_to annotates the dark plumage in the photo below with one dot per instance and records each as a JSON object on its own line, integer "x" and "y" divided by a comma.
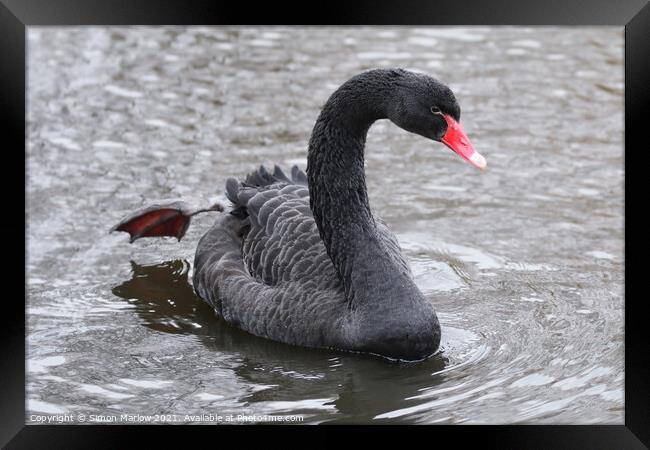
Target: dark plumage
{"x": 302, "y": 259}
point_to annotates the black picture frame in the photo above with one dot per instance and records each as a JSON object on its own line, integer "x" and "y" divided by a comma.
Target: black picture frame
{"x": 16, "y": 15}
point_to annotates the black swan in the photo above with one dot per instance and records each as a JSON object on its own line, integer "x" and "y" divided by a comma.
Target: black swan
{"x": 303, "y": 260}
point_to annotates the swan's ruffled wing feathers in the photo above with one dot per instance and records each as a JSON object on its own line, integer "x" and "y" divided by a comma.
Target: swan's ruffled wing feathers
{"x": 279, "y": 240}
{"x": 282, "y": 242}
{"x": 264, "y": 267}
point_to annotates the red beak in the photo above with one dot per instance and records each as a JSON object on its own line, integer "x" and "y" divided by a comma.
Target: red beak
{"x": 456, "y": 139}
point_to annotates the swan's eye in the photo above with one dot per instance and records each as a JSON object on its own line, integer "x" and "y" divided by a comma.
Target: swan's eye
{"x": 435, "y": 110}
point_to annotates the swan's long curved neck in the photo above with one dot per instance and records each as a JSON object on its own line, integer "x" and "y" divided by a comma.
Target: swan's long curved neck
{"x": 335, "y": 170}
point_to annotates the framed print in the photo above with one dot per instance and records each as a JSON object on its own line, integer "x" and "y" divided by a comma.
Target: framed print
{"x": 411, "y": 214}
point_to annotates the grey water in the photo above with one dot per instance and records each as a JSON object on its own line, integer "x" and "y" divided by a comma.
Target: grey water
{"x": 523, "y": 262}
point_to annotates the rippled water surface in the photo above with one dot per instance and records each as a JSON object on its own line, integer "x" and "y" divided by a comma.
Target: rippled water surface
{"x": 523, "y": 262}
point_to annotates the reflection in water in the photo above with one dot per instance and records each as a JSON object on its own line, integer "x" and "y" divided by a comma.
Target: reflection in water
{"x": 165, "y": 299}
{"x": 348, "y": 383}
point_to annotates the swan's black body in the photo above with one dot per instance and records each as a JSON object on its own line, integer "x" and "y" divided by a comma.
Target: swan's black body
{"x": 304, "y": 260}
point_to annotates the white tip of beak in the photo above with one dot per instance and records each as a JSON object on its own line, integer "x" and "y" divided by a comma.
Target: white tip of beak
{"x": 478, "y": 160}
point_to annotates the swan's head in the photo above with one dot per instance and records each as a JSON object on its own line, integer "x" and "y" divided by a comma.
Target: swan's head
{"x": 425, "y": 106}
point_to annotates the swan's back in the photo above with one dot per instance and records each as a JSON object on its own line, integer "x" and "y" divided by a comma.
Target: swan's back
{"x": 280, "y": 240}
{"x": 264, "y": 267}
